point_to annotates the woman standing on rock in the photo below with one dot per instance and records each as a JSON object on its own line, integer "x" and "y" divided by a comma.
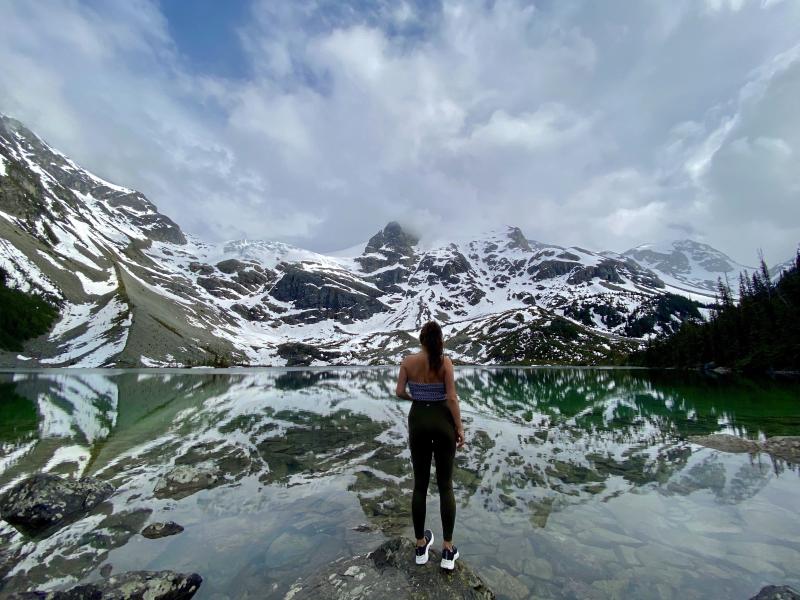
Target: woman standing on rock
{"x": 434, "y": 430}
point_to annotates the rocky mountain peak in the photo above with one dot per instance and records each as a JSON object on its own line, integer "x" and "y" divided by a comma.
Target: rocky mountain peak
{"x": 392, "y": 237}
{"x": 44, "y": 171}
{"x": 518, "y": 239}
{"x": 392, "y": 246}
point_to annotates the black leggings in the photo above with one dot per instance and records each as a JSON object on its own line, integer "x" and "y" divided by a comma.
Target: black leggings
{"x": 432, "y": 432}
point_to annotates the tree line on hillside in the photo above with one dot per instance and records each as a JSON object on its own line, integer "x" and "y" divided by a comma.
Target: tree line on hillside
{"x": 760, "y": 332}
{"x": 22, "y": 316}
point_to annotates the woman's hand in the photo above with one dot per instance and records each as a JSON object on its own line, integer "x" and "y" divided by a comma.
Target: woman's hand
{"x": 460, "y": 436}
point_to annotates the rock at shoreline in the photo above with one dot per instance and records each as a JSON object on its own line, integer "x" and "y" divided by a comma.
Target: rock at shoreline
{"x": 152, "y": 585}
{"x": 725, "y": 442}
{"x": 159, "y": 530}
{"x": 776, "y": 592}
{"x": 44, "y": 501}
{"x": 390, "y": 572}
{"x": 784, "y": 447}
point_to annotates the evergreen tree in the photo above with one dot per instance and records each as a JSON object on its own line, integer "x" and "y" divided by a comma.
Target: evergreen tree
{"x": 760, "y": 332}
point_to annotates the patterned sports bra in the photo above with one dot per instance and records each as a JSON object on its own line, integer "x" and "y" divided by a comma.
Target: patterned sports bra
{"x": 427, "y": 392}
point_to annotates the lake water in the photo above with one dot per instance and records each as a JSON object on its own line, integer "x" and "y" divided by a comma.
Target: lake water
{"x": 574, "y": 483}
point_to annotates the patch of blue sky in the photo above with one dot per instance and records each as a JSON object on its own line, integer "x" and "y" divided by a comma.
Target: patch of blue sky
{"x": 206, "y": 34}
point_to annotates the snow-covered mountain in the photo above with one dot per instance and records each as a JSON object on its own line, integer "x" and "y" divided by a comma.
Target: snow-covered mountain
{"x": 134, "y": 290}
{"x": 687, "y": 265}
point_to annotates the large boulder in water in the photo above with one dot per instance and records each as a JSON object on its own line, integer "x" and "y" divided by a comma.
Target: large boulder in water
{"x": 45, "y": 500}
{"x": 152, "y": 585}
{"x": 159, "y": 530}
{"x": 390, "y": 572}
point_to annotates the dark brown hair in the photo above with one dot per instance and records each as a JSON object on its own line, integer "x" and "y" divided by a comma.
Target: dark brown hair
{"x": 431, "y": 339}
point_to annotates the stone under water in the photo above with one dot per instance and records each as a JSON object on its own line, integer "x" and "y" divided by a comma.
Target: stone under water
{"x": 152, "y": 585}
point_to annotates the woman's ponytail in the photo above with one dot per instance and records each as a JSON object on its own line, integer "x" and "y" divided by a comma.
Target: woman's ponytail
{"x": 431, "y": 339}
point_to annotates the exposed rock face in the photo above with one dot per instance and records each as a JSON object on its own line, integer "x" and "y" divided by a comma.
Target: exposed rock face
{"x": 221, "y": 287}
{"x": 551, "y": 268}
{"x": 44, "y": 501}
{"x": 777, "y": 592}
{"x": 301, "y": 355}
{"x": 449, "y": 271}
{"x": 327, "y": 295}
{"x": 390, "y": 247}
{"x": 230, "y": 266}
{"x": 605, "y": 271}
{"x": 518, "y": 239}
{"x": 134, "y": 206}
{"x": 135, "y": 585}
{"x": 159, "y": 530}
{"x": 390, "y": 572}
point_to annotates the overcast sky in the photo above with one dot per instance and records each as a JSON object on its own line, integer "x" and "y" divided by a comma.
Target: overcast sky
{"x": 600, "y": 124}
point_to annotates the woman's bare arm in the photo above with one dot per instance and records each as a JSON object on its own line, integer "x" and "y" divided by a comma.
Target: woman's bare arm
{"x": 402, "y": 379}
{"x": 452, "y": 400}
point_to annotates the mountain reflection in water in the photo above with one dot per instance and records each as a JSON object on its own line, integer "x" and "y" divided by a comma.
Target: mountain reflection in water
{"x": 573, "y": 482}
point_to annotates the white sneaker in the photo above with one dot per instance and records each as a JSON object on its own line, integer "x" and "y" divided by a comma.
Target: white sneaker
{"x": 449, "y": 558}
{"x": 422, "y": 551}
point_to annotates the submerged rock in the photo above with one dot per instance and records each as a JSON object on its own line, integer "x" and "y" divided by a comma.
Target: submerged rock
{"x": 185, "y": 480}
{"x": 152, "y": 585}
{"x": 159, "y": 530}
{"x": 44, "y": 501}
{"x": 776, "y": 592}
{"x": 390, "y": 572}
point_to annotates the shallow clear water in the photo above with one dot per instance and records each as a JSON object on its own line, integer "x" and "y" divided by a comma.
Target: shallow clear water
{"x": 575, "y": 483}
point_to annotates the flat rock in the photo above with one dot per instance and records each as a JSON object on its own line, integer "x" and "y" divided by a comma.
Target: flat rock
{"x": 776, "y": 592}
{"x": 159, "y": 530}
{"x": 726, "y": 443}
{"x": 783, "y": 446}
{"x": 45, "y": 500}
{"x": 134, "y": 585}
{"x": 390, "y": 572}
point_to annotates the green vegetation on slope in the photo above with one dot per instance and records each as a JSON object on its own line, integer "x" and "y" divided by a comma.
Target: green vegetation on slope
{"x": 22, "y": 316}
{"x": 18, "y": 417}
{"x": 760, "y": 332}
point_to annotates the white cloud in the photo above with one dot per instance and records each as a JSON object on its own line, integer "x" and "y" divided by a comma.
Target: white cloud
{"x": 582, "y": 123}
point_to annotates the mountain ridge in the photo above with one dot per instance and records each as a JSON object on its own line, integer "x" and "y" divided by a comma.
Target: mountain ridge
{"x": 134, "y": 290}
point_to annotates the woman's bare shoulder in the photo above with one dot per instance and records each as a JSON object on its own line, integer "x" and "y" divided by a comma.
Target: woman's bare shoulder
{"x": 410, "y": 357}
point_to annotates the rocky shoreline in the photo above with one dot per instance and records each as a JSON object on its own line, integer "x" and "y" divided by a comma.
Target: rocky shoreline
{"x": 782, "y": 447}
{"x": 389, "y": 571}
{"x": 44, "y": 503}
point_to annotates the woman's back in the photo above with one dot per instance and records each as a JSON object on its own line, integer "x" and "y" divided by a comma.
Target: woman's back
{"x": 420, "y": 372}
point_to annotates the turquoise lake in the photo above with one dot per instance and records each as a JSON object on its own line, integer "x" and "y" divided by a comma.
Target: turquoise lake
{"x": 574, "y": 483}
